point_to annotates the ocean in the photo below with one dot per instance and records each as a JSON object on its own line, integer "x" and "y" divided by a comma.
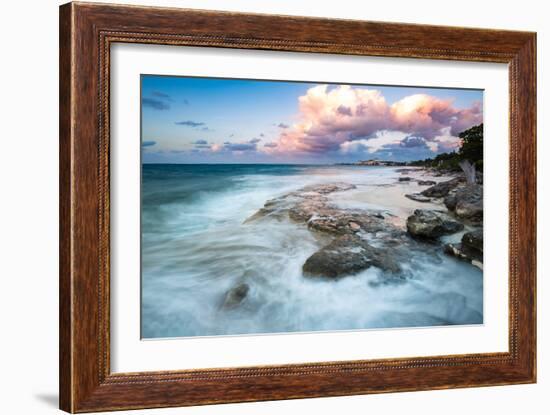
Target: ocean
{"x": 195, "y": 247}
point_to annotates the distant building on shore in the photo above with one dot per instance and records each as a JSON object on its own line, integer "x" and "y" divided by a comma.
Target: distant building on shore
{"x": 375, "y": 162}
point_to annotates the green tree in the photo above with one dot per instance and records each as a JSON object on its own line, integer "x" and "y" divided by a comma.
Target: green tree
{"x": 471, "y": 150}
{"x": 472, "y": 145}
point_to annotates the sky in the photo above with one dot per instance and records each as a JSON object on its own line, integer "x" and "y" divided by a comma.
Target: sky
{"x": 212, "y": 120}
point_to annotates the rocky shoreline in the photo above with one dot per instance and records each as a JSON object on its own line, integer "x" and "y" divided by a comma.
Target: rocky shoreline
{"x": 354, "y": 240}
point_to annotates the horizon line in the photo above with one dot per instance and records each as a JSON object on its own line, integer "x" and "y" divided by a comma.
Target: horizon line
{"x": 290, "y": 164}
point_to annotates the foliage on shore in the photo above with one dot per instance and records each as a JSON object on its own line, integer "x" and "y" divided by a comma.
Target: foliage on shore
{"x": 471, "y": 149}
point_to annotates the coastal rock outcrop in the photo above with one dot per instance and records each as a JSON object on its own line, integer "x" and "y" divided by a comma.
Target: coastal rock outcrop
{"x": 406, "y": 170}
{"x": 443, "y": 188}
{"x": 346, "y": 222}
{"x": 325, "y": 189}
{"x": 469, "y": 249}
{"x": 469, "y": 202}
{"x": 418, "y": 197}
{"x": 426, "y": 183}
{"x": 466, "y": 201}
{"x": 310, "y": 205}
{"x": 350, "y": 251}
{"x": 364, "y": 238}
{"x": 348, "y": 255}
{"x": 300, "y": 205}
{"x": 474, "y": 240}
{"x": 430, "y": 224}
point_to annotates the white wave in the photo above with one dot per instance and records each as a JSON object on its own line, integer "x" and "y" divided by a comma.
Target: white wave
{"x": 193, "y": 253}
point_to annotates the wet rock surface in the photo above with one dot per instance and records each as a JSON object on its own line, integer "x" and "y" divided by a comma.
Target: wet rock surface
{"x": 474, "y": 240}
{"x": 348, "y": 255}
{"x": 349, "y": 252}
{"x": 466, "y": 202}
{"x": 310, "y": 205}
{"x": 469, "y": 249}
{"x": 235, "y": 296}
{"x": 443, "y": 188}
{"x": 301, "y": 205}
{"x": 430, "y": 224}
{"x": 363, "y": 238}
{"x": 340, "y": 223}
{"x": 426, "y": 182}
{"x": 469, "y": 202}
{"x": 418, "y": 197}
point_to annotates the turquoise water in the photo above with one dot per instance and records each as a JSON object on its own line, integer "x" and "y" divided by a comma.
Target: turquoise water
{"x": 195, "y": 248}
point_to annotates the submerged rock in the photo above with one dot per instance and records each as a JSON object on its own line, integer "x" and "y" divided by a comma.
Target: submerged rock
{"x": 348, "y": 255}
{"x": 426, "y": 182}
{"x": 418, "y": 197}
{"x": 404, "y": 179}
{"x": 430, "y": 224}
{"x": 443, "y": 188}
{"x": 235, "y": 296}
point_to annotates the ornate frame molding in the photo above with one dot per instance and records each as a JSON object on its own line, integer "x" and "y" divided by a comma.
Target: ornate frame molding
{"x": 86, "y": 34}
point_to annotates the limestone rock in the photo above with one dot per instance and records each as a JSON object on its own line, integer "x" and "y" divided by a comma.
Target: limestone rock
{"x": 348, "y": 255}
{"x": 443, "y": 188}
{"x": 430, "y": 224}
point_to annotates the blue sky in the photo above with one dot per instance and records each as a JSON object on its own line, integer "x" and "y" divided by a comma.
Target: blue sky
{"x": 209, "y": 120}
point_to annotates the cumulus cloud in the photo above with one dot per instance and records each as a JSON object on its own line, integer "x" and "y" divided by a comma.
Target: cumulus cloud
{"x": 427, "y": 116}
{"x": 282, "y": 125}
{"x": 270, "y": 145}
{"x": 255, "y": 140}
{"x": 447, "y": 141}
{"x": 412, "y": 141}
{"x": 148, "y": 143}
{"x": 348, "y": 119}
{"x": 200, "y": 142}
{"x": 382, "y": 139}
{"x": 343, "y": 110}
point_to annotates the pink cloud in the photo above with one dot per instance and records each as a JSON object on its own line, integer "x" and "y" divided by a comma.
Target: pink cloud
{"x": 331, "y": 117}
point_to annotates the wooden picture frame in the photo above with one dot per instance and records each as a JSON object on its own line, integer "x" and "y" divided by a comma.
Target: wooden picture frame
{"x": 86, "y": 33}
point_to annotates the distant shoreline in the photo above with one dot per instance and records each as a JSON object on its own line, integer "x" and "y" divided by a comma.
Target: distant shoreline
{"x": 359, "y": 164}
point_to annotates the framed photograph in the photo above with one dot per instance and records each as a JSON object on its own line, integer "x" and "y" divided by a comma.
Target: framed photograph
{"x": 260, "y": 207}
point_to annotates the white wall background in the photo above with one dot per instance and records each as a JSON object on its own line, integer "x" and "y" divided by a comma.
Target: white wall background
{"x": 28, "y": 219}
